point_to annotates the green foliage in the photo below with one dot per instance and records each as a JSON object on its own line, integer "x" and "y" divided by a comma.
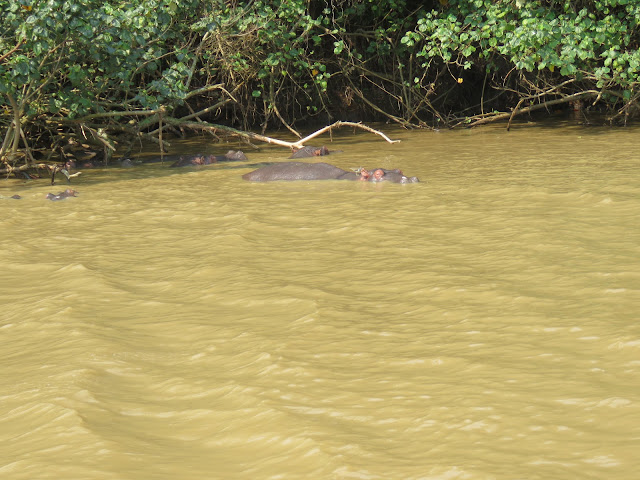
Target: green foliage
{"x": 291, "y": 59}
{"x": 578, "y": 39}
{"x": 72, "y": 52}
{"x": 270, "y": 45}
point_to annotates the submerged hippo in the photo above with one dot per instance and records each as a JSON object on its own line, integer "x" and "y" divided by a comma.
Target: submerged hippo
{"x": 72, "y": 164}
{"x": 307, "y": 152}
{"x": 54, "y": 197}
{"x": 200, "y": 159}
{"x": 289, "y": 171}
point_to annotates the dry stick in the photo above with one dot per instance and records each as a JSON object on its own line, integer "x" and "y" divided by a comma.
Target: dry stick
{"x": 275, "y": 141}
{"x": 338, "y": 124}
{"x": 9, "y": 169}
{"x": 197, "y": 117}
{"x": 191, "y": 110}
{"x": 233, "y": 131}
{"x": 284, "y": 122}
{"x": 513, "y": 114}
{"x": 502, "y": 116}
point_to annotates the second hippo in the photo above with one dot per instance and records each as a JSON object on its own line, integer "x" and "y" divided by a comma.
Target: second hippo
{"x": 201, "y": 159}
{"x": 54, "y": 197}
{"x": 307, "y": 152}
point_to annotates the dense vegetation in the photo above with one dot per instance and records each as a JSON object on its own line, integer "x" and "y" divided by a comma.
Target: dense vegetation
{"x": 109, "y": 69}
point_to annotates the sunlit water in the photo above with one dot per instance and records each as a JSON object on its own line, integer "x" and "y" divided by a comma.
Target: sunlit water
{"x": 186, "y": 324}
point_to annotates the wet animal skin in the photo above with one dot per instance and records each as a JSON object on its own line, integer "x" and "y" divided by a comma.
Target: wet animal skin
{"x": 54, "y": 197}
{"x": 307, "y": 152}
{"x": 200, "y": 159}
{"x": 292, "y": 171}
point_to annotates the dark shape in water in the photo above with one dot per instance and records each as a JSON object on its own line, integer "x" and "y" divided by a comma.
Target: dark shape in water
{"x": 307, "y": 152}
{"x": 291, "y": 171}
{"x": 54, "y": 197}
{"x": 126, "y": 163}
{"x": 201, "y": 159}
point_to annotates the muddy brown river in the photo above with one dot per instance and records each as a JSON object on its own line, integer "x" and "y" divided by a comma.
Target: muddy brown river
{"x": 186, "y": 324}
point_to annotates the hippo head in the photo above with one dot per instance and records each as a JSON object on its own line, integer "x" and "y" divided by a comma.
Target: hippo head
{"x": 201, "y": 159}
{"x": 319, "y": 152}
{"x": 382, "y": 175}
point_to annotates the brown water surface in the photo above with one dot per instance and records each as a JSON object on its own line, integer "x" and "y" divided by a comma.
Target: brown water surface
{"x": 185, "y": 324}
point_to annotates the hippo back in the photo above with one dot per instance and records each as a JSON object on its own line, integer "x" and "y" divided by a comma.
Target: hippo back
{"x": 233, "y": 155}
{"x": 396, "y": 176}
{"x": 289, "y": 171}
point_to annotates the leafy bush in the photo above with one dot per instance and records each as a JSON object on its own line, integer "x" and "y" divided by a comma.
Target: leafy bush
{"x": 111, "y": 66}
{"x": 587, "y": 44}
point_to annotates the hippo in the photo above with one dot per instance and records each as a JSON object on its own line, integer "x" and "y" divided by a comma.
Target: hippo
{"x": 306, "y": 152}
{"x": 192, "y": 160}
{"x": 54, "y": 197}
{"x": 290, "y": 171}
{"x": 232, "y": 156}
{"x": 126, "y": 163}
{"x": 201, "y": 159}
